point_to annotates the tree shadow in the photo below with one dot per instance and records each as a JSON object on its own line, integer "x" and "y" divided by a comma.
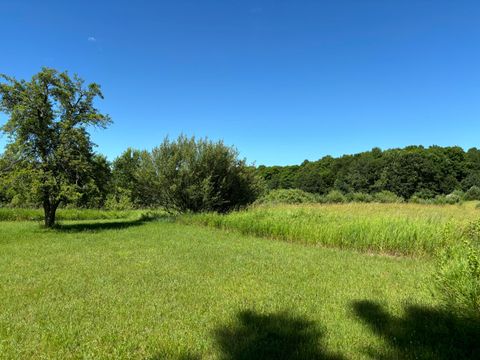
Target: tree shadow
{"x": 422, "y": 333}
{"x": 274, "y": 336}
{"x": 108, "y": 224}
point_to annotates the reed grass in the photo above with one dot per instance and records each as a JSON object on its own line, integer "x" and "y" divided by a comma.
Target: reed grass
{"x": 398, "y": 229}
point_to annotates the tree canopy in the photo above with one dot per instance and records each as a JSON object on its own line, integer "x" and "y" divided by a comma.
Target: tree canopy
{"x": 414, "y": 170}
{"x": 49, "y": 143}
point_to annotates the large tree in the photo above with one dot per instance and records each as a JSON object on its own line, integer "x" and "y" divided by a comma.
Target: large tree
{"x": 47, "y": 128}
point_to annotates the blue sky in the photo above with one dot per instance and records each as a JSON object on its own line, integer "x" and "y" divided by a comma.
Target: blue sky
{"x": 283, "y": 81}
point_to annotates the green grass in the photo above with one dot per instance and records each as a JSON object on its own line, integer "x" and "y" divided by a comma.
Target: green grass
{"x": 19, "y": 214}
{"x": 153, "y": 290}
{"x": 399, "y": 229}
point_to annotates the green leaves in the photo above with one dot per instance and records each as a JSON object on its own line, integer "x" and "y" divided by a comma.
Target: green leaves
{"x": 184, "y": 175}
{"x": 47, "y": 120}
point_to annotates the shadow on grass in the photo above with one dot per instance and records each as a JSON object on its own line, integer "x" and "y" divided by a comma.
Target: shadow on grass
{"x": 422, "y": 333}
{"x": 273, "y": 336}
{"x": 109, "y": 224}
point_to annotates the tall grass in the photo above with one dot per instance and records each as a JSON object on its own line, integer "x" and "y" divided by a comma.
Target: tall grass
{"x": 458, "y": 278}
{"x": 18, "y": 214}
{"x": 400, "y": 229}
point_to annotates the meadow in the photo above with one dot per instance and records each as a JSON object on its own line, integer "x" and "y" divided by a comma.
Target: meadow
{"x": 394, "y": 229}
{"x": 153, "y": 287}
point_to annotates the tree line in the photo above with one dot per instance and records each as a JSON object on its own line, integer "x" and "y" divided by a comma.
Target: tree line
{"x": 414, "y": 171}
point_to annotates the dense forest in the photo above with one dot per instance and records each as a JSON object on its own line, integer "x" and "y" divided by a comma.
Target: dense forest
{"x": 411, "y": 171}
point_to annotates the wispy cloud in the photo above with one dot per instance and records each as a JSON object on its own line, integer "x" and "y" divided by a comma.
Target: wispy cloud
{"x": 92, "y": 39}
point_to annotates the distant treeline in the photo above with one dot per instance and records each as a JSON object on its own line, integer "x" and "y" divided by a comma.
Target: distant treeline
{"x": 411, "y": 171}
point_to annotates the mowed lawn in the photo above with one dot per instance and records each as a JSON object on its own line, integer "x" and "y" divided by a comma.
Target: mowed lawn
{"x": 126, "y": 289}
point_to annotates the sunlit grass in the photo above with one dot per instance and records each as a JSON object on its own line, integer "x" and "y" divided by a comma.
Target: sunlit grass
{"x": 159, "y": 290}
{"x": 404, "y": 229}
{"x": 20, "y": 214}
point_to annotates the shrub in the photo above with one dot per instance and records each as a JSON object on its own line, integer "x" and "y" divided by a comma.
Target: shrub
{"x": 334, "y": 197}
{"x": 386, "y": 197}
{"x": 199, "y": 175}
{"x": 473, "y": 193}
{"x": 450, "y": 199}
{"x": 455, "y": 197}
{"x": 442, "y": 200}
{"x": 418, "y": 200}
{"x": 287, "y": 196}
{"x": 359, "y": 197}
{"x": 424, "y": 194}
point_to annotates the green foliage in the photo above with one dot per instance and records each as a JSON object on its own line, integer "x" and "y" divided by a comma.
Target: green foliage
{"x": 359, "y": 197}
{"x": 199, "y": 175}
{"x": 279, "y": 177}
{"x": 297, "y": 196}
{"x": 386, "y": 197}
{"x": 120, "y": 200}
{"x": 423, "y": 194}
{"x": 95, "y": 193}
{"x": 49, "y": 144}
{"x": 287, "y": 196}
{"x": 16, "y": 187}
{"x": 132, "y": 174}
{"x": 334, "y": 197}
{"x": 472, "y": 178}
{"x": 473, "y": 193}
{"x": 413, "y": 171}
{"x": 454, "y": 197}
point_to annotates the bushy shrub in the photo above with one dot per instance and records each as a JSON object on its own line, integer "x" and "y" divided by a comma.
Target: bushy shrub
{"x": 287, "y": 196}
{"x": 387, "y": 197}
{"x": 199, "y": 175}
{"x": 443, "y": 200}
{"x": 359, "y": 197}
{"x": 418, "y": 200}
{"x": 423, "y": 194}
{"x": 455, "y": 197}
{"x": 473, "y": 193}
{"x": 458, "y": 278}
{"x": 334, "y": 197}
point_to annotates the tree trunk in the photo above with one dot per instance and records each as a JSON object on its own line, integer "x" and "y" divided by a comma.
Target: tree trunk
{"x": 50, "y": 212}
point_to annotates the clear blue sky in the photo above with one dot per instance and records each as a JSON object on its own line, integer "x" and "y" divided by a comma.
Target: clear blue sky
{"x": 283, "y": 81}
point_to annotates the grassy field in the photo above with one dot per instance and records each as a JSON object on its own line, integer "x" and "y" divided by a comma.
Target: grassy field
{"x": 152, "y": 290}
{"x": 398, "y": 229}
{"x": 19, "y": 214}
